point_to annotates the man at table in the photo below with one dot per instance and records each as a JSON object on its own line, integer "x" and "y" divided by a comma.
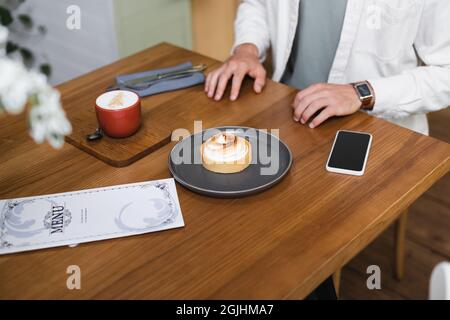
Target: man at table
{"x": 388, "y": 57}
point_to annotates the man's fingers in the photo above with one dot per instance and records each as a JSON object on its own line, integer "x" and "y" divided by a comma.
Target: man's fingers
{"x": 259, "y": 74}
{"x": 300, "y": 107}
{"x": 236, "y": 86}
{"x": 207, "y": 81}
{"x": 223, "y": 80}
{"x": 315, "y": 106}
{"x": 259, "y": 85}
{"x": 216, "y": 81}
{"x": 214, "y": 77}
{"x": 302, "y": 104}
{"x": 308, "y": 91}
{"x": 324, "y": 115}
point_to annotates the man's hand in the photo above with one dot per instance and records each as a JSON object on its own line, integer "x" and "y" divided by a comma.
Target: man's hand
{"x": 332, "y": 99}
{"x": 244, "y": 61}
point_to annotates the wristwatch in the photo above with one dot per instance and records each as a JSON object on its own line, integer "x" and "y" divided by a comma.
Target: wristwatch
{"x": 365, "y": 94}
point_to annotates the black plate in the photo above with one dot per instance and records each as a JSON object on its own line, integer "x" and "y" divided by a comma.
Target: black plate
{"x": 250, "y": 181}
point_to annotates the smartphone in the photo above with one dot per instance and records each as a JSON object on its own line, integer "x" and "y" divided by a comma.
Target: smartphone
{"x": 349, "y": 152}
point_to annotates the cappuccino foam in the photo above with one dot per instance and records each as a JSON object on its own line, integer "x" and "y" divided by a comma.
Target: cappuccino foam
{"x": 117, "y": 100}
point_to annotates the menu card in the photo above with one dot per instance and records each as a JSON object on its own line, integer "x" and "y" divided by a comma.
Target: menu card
{"x": 89, "y": 215}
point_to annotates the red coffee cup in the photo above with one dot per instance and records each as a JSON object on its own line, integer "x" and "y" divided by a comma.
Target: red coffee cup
{"x": 118, "y": 113}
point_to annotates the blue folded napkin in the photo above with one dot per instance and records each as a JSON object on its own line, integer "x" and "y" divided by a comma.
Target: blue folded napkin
{"x": 164, "y": 85}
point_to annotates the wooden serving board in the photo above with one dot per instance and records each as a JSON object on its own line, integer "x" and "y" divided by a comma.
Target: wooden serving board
{"x": 161, "y": 114}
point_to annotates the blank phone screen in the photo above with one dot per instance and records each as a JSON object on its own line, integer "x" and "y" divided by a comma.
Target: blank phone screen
{"x": 349, "y": 151}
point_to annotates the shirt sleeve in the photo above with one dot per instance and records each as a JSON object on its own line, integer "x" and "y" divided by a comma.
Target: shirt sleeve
{"x": 425, "y": 88}
{"x": 251, "y": 26}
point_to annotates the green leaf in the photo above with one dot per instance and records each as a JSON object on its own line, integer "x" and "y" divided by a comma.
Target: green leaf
{"x": 5, "y": 16}
{"x": 33, "y": 100}
{"x": 46, "y": 69}
{"x": 26, "y": 21}
{"x": 28, "y": 56}
{"x": 42, "y": 29}
{"x": 11, "y": 47}
{"x": 12, "y": 5}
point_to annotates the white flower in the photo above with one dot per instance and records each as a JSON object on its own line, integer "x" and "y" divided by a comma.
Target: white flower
{"x": 47, "y": 119}
{"x": 15, "y": 98}
{"x": 15, "y": 85}
{"x": 39, "y": 82}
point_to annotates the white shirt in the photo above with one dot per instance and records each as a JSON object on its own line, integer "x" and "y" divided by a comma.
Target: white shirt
{"x": 401, "y": 46}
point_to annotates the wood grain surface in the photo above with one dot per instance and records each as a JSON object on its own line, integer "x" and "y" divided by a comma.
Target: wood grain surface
{"x": 277, "y": 245}
{"x": 427, "y": 241}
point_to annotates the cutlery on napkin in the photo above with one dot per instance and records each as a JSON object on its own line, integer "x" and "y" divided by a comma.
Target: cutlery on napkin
{"x": 162, "y": 80}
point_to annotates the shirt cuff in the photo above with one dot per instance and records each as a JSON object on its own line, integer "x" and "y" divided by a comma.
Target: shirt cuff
{"x": 390, "y": 92}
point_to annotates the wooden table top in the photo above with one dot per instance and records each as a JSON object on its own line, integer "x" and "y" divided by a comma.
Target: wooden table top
{"x": 277, "y": 245}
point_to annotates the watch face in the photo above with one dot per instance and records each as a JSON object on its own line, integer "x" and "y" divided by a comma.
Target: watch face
{"x": 364, "y": 90}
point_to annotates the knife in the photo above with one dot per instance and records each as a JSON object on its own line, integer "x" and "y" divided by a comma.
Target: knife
{"x": 148, "y": 84}
{"x": 161, "y": 76}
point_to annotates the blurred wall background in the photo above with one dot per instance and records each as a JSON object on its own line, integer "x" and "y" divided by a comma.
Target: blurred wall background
{"x": 111, "y": 29}
{"x": 143, "y": 23}
{"x": 72, "y": 52}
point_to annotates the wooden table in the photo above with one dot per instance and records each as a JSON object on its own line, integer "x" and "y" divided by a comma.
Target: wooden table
{"x": 278, "y": 245}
